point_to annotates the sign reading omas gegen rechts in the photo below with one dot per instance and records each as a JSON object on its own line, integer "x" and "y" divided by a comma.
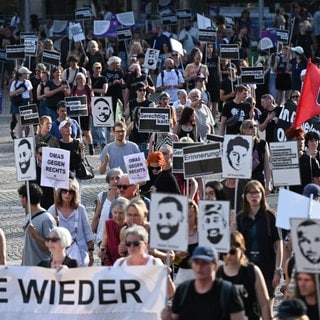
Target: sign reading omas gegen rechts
{"x": 202, "y": 160}
{"x": 154, "y": 120}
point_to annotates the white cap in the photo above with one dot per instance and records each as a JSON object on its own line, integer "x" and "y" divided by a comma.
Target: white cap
{"x": 24, "y": 70}
{"x": 63, "y": 123}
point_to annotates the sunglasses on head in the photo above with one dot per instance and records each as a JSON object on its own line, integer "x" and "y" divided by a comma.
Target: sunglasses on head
{"x": 134, "y": 243}
{"x": 53, "y": 239}
{"x": 155, "y": 168}
{"x": 124, "y": 186}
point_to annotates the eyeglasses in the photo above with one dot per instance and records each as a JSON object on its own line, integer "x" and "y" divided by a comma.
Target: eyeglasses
{"x": 142, "y": 90}
{"x": 134, "y": 243}
{"x": 124, "y": 186}
{"x": 120, "y": 131}
{"x": 295, "y": 97}
{"x": 54, "y": 239}
{"x": 67, "y": 191}
{"x": 155, "y": 168}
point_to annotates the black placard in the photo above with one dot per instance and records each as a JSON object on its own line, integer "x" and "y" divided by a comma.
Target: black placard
{"x": 229, "y": 51}
{"x": 184, "y": 14}
{"x": 83, "y": 14}
{"x": 76, "y": 106}
{"x": 169, "y": 19}
{"x": 51, "y": 57}
{"x": 207, "y": 35}
{"x": 29, "y": 114}
{"x": 214, "y": 138}
{"x": 252, "y": 75}
{"x": 154, "y": 120}
{"x": 15, "y": 52}
{"x": 177, "y": 160}
{"x": 202, "y": 160}
{"x": 124, "y": 34}
{"x": 282, "y": 36}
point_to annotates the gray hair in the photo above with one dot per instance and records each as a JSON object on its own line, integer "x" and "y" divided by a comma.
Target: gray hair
{"x": 113, "y": 59}
{"x": 193, "y": 91}
{"x": 112, "y": 172}
{"x": 139, "y": 231}
{"x": 64, "y": 235}
{"x": 122, "y": 202}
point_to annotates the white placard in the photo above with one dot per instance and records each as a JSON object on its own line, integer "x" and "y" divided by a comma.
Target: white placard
{"x": 203, "y": 22}
{"x": 177, "y": 46}
{"x": 305, "y": 234}
{"x": 100, "y": 27}
{"x": 25, "y": 159}
{"x": 168, "y": 222}
{"x": 102, "y": 112}
{"x": 213, "y": 224}
{"x": 55, "y": 168}
{"x": 77, "y": 33}
{"x": 126, "y": 18}
{"x": 237, "y": 156}
{"x": 136, "y": 167}
{"x": 151, "y": 59}
{"x": 294, "y": 205}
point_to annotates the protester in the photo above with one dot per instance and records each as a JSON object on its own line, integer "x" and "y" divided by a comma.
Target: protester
{"x": 44, "y": 134}
{"x": 247, "y": 277}
{"x": 39, "y": 224}
{"x": 205, "y": 297}
{"x": 111, "y": 232}
{"x": 58, "y": 240}
{"x": 72, "y": 215}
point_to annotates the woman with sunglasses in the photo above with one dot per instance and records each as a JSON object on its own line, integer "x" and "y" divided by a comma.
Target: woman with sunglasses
{"x": 136, "y": 214}
{"x": 111, "y": 233}
{"x": 73, "y": 216}
{"x": 136, "y": 242}
{"x": 247, "y": 278}
{"x": 264, "y": 246}
{"x": 57, "y": 241}
{"x": 160, "y": 180}
{"x": 261, "y": 170}
{"x": 185, "y": 271}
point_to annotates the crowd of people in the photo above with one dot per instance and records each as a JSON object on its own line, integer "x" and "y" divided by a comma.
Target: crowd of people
{"x": 204, "y": 95}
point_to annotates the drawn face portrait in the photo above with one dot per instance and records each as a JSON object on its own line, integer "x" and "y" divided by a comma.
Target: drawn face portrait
{"x": 24, "y": 155}
{"x": 214, "y": 223}
{"x": 170, "y": 217}
{"x": 237, "y": 157}
{"x": 309, "y": 241}
{"x": 103, "y": 110}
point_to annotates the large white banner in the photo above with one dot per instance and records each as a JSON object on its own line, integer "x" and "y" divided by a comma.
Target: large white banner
{"x": 84, "y": 293}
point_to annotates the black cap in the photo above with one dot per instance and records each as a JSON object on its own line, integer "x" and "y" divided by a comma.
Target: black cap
{"x": 291, "y": 308}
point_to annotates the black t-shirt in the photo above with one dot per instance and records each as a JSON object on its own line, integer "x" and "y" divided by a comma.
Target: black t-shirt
{"x": 131, "y": 84}
{"x": 239, "y": 110}
{"x": 205, "y": 306}
{"x": 272, "y": 125}
{"x": 114, "y": 90}
{"x": 97, "y": 83}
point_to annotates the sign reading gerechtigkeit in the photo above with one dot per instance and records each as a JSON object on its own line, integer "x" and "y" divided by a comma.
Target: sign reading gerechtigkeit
{"x": 154, "y": 120}
{"x": 229, "y": 51}
{"x": 208, "y": 35}
{"x": 124, "y": 34}
{"x": 15, "y": 52}
{"x": 51, "y": 57}
{"x": 29, "y": 114}
{"x": 252, "y": 75}
{"x": 202, "y": 160}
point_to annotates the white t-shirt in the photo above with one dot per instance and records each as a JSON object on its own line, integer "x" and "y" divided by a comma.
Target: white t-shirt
{"x": 152, "y": 261}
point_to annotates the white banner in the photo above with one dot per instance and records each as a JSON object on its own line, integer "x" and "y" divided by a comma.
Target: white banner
{"x": 84, "y": 293}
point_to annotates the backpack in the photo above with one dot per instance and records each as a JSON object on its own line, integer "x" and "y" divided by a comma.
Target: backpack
{"x": 79, "y": 69}
{"x": 18, "y": 98}
{"x": 177, "y": 73}
{"x": 225, "y": 294}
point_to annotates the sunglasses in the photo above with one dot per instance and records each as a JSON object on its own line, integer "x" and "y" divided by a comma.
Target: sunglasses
{"x": 252, "y": 127}
{"x": 155, "y": 168}
{"x": 134, "y": 243}
{"x": 295, "y": 97}
{"x": 67, "y": 191}
{"x": 142, "y": 90}
{"x": 124, "y": 186}
{"x": 54, "y": 240}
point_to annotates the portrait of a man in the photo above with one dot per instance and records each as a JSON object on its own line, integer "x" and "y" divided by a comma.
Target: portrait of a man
{"x": 237, "y": 153}
{"x": 24, "y": 155}
{"x": 170, "y": 215}
{"x": 308, "y": 235}
{"x": 103, "y": 109}
{"x": 214, "y": 223}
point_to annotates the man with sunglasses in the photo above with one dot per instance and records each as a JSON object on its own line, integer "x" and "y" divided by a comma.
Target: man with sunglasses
{"x": 140, "y": 101}
{"x": 112, "y": 154}
{"x": 37, "y": 228}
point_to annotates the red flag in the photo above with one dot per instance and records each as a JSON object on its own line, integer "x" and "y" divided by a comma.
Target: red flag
{"x": 309, "y": 103}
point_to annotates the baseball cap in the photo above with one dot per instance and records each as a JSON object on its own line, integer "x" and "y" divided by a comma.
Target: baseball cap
{"x": 311, "y": 189}
{"x": 291, "y": 308}
{"x": 205, "y": 253}
{"x": 298, "y": 50}
{"x": 24, "y": 70}
{"x": 63, "y": 123}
